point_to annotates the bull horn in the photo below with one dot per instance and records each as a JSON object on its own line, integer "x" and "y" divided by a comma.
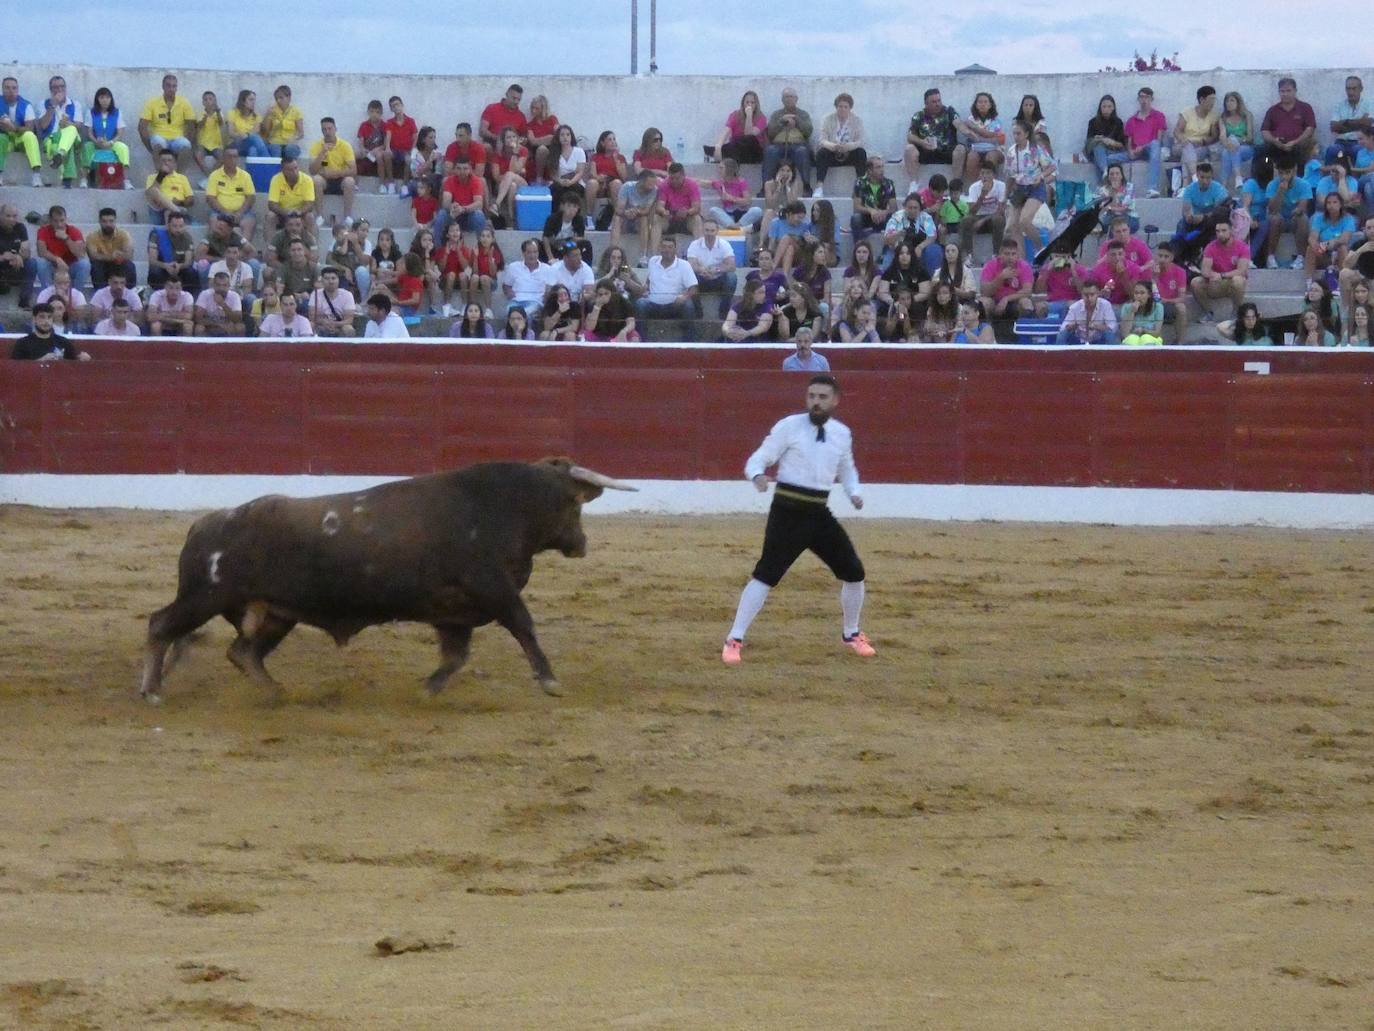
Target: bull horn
{"x": 596, "y": 479}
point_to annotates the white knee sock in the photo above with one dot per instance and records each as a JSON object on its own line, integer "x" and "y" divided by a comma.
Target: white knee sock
{"x": 852, "y": 602}
{"x": 751, "y": 600}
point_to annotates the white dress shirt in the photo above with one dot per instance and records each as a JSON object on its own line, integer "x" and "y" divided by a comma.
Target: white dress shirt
{"x": 804, "y": 461}
{"x": 666, "y": 282}
{"x": 392, "y": 327}
{"x": 527, "y": 284}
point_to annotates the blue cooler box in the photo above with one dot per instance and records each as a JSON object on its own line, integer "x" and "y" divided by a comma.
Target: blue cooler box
{"x": 261, "y": 170}
{"x": 739, "y": 243}
{"x": 533, "y": 206}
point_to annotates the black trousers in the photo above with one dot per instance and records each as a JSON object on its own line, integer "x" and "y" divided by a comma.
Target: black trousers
{"x": 797, "y": 526}
{"x": 856, "y": 159}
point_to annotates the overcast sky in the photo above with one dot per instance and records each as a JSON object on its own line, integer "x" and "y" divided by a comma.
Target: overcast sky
{"x": 862, "y": 37}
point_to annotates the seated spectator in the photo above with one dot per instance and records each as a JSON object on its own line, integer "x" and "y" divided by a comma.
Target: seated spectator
{"x": 1106, "y": 143}
{"x": 109, "y": 249}
{"x": 72, "y": 301}
{"x": 290, "y": 192}
{"x": 951, "y": 270}
{"x": 905, "y": 270}
{"x": 736, "y": 207}
{"x": 863, "y": 269}
{"x": 749, "y": 318}
{"x": 373, "y": 155}
{"x": 1119, "y": 198}
{"x": 517, "y": 325}
{"x": 949, "y": 210}
{"x": 507, "y": 171}
{"x": 567, "y": 165}
{"x": 901, "y": 322}
{"x": 565, "y": 224}
{"x": 331, "y": 307}
{"x": 841, "y": 142}
{"x": 1142, "y": 317}
{"x": 209, "y": 137}
{"x": 678, "y": 209}
{"x": 171, "y": 311}
{"x": 162, "y": 125}
{"x": 560, "y": 317}
{"x": 1061, "y": 280}
{"x": 287, "y": 321}
{"x": 1197, "y": 131}
{"x": 386, "y": 259}
{"x": 298, "y": 273}
{"x": 606, "y": 176}
{"x": 1115, "y": 274}
{"x": 1200, "y": 199}
{"x": 1350, "y": 117}
{"x": 1340, "y": 182}
{"x": 1329, "y": 240}
{"x": 913, "y": 226}
{"x": 1028, "y": 113}
{"x": 1144, "y": 137}
{"x": 1289, "y": 130}
{"x": 243, "y": 125}
{"x": 104, "y": 143}
{"x": 349, "y": 257}
{"x": 119, "y": 323}
{"x": 283, "y": 125}
{"x": 745, "y": 133}
{"x": 875, "y": 199}
{"x": 1287, "y": 196}
{"x": 672, "y": 292}
{"x": 789, "y": 137}
{"x": 713, "y": 262}
{"x": 788, "y": 233}
{"x": 1237, "y": 128}
{"x": 464, "y": 145}
{"x": 611, "y": 316}
{"x": 574, "y": 273}
{"x": 614, "y": 268}
{"x": 987, "y": 200}
{"x": 503, "y": 114}
{"x": 167, "y": 190}
{"x": 784, "y": 188}
{"x": 1089, "y": 320}
{"x": 113, "y": 292}
{"x": 846, "y": 309}
{"x": 230, "y": 192}
{"x": 426, "y": 162}
{"x": 772, "y": 277}
{"x": 219, "y": 236}
{"x": 333, "y": 167}
{"x": 62, "y": 244}
{"x": 1029, "y": 173}
{"x": 982, "y": 135}
{"x": 1007, "y": 280}
{"x": 218, "y": 310}
{"x": 18, "y": 269}
{"x": 464, "y": 201}
{"x": 800, "y": 311}
{"x": 932, "y": 138}
{"x": 1225, "y": 271}
{"x": 973, "y": 325}
{"x": 1318, "y": 298}
{"x": 17, "y": 118}
{"x": 472, "y": 326}
{"x": 172, "y": 254}
{"x": 1171, "y": 283}
{"x": 1247, "y": 330}
{"x": 652, "y": 155}
{"x": 454, "y": 259}
{"x": 864, "y": 327}
{"x": 424, "y": 206}
{"x": 804, "y": 359}
{"x": 41, "y": 344}
{"x": 484, "y": 269}
{"x": 279, "y": 249}
{"x": 423, "y": 273}
{"x": 242, "y": 275}
{"x": 1311, "y": 332}
{"x": 1359, "y": 297}
{"x": 1358, "y": 334}
{"x": 942, "y": 316}
{"x": 60, "y": 128}
{"x": 382, "y": 322}
{"x": 816, "y": 277}
{"x": 541, "y": 133}
{"x": 525, "y": 281}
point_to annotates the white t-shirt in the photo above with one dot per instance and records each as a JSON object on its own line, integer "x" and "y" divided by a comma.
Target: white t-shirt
{"x": 275, "y": 326}
{"x": 103, "y": 301}
{"x": 206, "y": 302}
{"x": 49, "y": 292}
{"x": 528, "y": 284}
{"x": 392, "y": 327}
{"x": 997, "y": 196}
{"x": 666, "y": 283}
{"x": 342, "y": 301}
{"x": 158, "y": 304}
{"x": 576, "y": 282}
{"x": 240, "y": 279}
{"x": 708, "y": 256}
{"x": 568, "y": 165}
{"x": 107, "y": 328}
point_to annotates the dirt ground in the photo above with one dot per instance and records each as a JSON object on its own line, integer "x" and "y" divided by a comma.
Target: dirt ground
{"x": 1095, "y": 778}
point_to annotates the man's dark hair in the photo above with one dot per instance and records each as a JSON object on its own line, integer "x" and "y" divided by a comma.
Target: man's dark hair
{"x": 515, "y": 86}
{"x": 165, "y": 151}
{"x": 1116, "y": 245}
{"x": 794, "y": 207}
{"x": 987, "y": 165}
{"x": 374, "y": 105}
{"x": 1204, "y": 166}
{"x": 1288, "y": 80}
{"x": 390, "y": 99}
{"x": 380, "y": 301}
{"x": 933, "y": 91}
{"x": 56, "y": 209}
{"x": 1283, "y": 163}
{"x": 109, "y": 211}
{"x": 937, "y": 182}
{"x": 463, "y": 125}
{"x": 1167, "y": 245}
{"x": 675, "y": 167}
{"x": 1203, "y": 92}
{"x": 42, "y": 308}
{"x": 326, "y": 120}
{"x": 822, "y": 379}
{"x": 176, "y": 214}
{"x": 328, "y": 269}
{"x": 120, "y": 302}
{"x": 116, "y": 273}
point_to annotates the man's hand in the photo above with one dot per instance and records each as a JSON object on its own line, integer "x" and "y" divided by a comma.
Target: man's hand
{"x": 761, "y": 483}
{"x": 856, "y": 501}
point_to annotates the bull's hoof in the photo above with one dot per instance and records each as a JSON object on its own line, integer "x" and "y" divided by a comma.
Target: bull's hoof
{"x": 552, "y": 687}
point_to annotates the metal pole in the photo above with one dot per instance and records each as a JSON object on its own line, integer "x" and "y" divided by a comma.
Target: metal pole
{"x": 634, "y": 37}
{"x": 653, "y": 37}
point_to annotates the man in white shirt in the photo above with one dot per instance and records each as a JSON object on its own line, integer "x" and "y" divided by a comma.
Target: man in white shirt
{"x": 331, "y": 309}
{"x": 574, "y": 273}
{"x": 114, "y": 291}
{"x": 812, "y": 451}
{"x": 1347, "y": 120}
{"x": 1089, "y": 320}
{"x": 289, "y": 322}
{"x": 524, "y": 282}
{"x": 118, "y": 324}
{"x": 672, "y": 290}
{"x": 987, "y": 209}
{"x": 382, "y": 321}
{"x": 713, "y": 263}
{"x": 219, "y": 311}
{"x": 242, "y": 276}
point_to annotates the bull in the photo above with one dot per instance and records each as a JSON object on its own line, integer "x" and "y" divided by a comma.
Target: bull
{"x": 453, "y": 550}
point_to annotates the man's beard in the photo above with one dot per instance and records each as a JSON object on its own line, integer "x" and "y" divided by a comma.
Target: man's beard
{"x": 819, "y": 418}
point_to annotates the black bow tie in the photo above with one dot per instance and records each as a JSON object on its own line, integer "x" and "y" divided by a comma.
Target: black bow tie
{"x": 820, "y": 434}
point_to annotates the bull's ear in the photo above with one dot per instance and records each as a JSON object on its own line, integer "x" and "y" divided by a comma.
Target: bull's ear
{"x": 585, "y": 492}
{"x": 560, "y": 462}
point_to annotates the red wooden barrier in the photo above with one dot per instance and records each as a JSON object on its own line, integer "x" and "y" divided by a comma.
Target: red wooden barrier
{"x": 1008, "y": 423}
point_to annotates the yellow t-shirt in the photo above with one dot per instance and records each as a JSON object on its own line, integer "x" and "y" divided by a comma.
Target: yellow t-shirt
{"x": 232, "y": 193}
{"x": 242, "y": 124}
{"x": 284, "y": 123}
{"x": 175, "y": 187}
{"x": 211, "y": 134}
{"x": 1195, "y": 128}
{"x": 338, "y": 159}
{"x": 291, "y": 197}
{"x": 168, "y": 120}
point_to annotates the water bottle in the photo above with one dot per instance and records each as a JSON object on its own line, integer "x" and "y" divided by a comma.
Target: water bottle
{"x": 680, "y": 148}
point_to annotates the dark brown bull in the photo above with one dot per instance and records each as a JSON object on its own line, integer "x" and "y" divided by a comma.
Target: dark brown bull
{"x": 453, "y": 550}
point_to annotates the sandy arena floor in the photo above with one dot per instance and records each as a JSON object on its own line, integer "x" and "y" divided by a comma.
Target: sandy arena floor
{"x": 1096, "y": 778}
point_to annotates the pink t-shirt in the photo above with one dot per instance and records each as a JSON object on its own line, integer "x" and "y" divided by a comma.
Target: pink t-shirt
{"x": 1059, "y": 284}
{"x": 736, "y": 124}
{"x": 1137, "y": 252}
{"x": 1010, "y": 286}
{"x": 679, "y": 199}
{"x": 1119, "y": 292}
{"x": 1141, "y": 131}
{"x": 1226, "y": 256}
{"x": 732, "y": 191}
{"x": 1172, "y": 283}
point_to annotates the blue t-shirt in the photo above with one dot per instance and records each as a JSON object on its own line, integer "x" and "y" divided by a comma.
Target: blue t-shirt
{"x": 1312, "y": 171}
{"x": 1259, "y": 209}
{"x": 1203, "y": 201}
{"x": 1364, "y": 158}
{"x": 1300, "y": 192}
{"x": 781, "y": 227}
{"x": 1327, "y": 231}
{"x": 1327, "y": 184}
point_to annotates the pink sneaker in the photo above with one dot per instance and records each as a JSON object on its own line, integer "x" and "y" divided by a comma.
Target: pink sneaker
{"x": 859, "y": 645}
{"x": 730, "y": 653}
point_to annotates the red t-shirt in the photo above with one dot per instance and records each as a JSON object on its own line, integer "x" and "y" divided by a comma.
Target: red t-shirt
{"x": 489, "y": 263}
{"x": 475, "y": 152}
{"x": 544, "y": 127}
{"x": 424, "y": 208}
{"x": 609, "y": 164}
{"x": 452, "y": 261}
{"x": 502, "y": 161}
{"x": 58, "y": 248}
{"x": 498, "y": 116}
{"x": 464, "y": 191}
{"x": 372, "y": 136}
{"x": 403, "y": 133}
{"x": 408, "y": 289}
{"x": 658, "y": 162}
